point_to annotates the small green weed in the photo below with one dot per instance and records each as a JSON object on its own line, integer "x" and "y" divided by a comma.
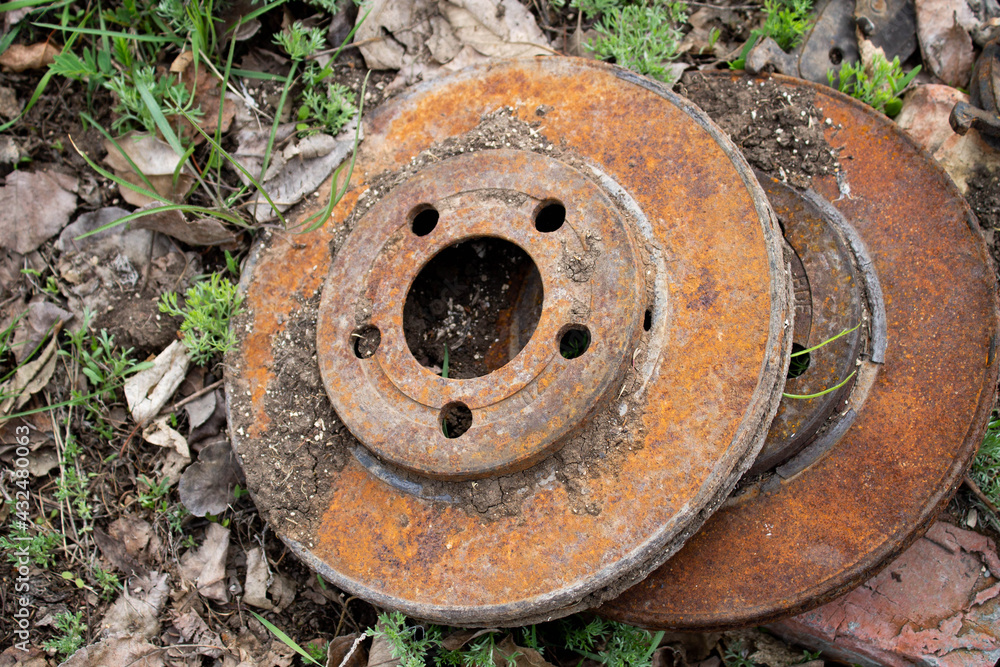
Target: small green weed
{"x": 108, "y": 582}
{"x": 643, "y": 38}
{"x": 735, "y": 655}
{"x": 879, "y": 87}
{"x": 155, "y": 497}
{"x": 105, "y": 368}
{"x": 409, "y": 644}
{"x": 70, "y": 633}
{"x": 786, "y": 22}
{"x": 209, "y": 305}
{"x": 40, "y": 546}
{"x": 612, "y": 643}
{"x": 985, "y": 471}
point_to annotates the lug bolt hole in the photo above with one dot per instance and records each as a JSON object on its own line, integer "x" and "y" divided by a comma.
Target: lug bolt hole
{"x": 550, "y": 217}
{"x": 365, "y": 341}
{"x": 647, "y": 320}
{"x": 574, "y": 341}
{"x": 456, "y": 419}
{"x": 423, "y": 219}
{"x": 799, "y": 364}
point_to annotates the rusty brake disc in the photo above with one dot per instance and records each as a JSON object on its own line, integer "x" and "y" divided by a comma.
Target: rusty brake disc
{"x": 555, "y": 480}
{"x": 825, "y": 515}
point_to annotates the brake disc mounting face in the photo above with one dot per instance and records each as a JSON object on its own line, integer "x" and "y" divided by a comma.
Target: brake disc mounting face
{"x": 577, "y": 476}
{"x": 523, "y": 409}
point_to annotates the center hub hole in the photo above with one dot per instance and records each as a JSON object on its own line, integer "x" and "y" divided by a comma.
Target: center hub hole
{"x": 479, "y": 299}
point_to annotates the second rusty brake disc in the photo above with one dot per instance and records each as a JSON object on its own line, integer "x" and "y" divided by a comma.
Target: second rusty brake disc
{"x": 889, "y": 242}
{"x": 568, "y": 469}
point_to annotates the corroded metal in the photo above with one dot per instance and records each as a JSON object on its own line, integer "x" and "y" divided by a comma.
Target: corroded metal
{"x": 525, "y": 408}
{"x": 871, "y": 483}
{"x": 828, "y": 299}
{"x": 674, "y": 406}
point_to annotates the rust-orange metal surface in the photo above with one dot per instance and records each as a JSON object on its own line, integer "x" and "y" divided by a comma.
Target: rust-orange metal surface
{"x": 698, "y": 390}
{"x": 817, "y": 533}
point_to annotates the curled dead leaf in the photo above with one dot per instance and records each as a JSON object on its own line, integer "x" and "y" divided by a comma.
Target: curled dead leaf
{"x": 202, "y": 231}
{"x": 149, "y": 390}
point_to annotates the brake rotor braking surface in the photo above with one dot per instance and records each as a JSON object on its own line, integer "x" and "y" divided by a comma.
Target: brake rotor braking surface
{"x": 572, "y": 477}
{"x": 896, "y": 448}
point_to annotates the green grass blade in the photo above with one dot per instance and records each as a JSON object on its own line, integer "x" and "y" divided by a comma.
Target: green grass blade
{"x": 288, "y": 641}
{"x": 8, "y": 38}
{"x": 258, "y": 12}
{"x": 118, "y": 147}
{"x": 100, "y": 32}
{"x": 20, "y": 4}
{"x": 277, "y": 119}
{"x": 250, "y": 74}
{"x": 185, "y": 208}
{"x": 157, "y": 113}
{"x": 826, "y": 342}
{"x": 444, "y": 363}
{"x": 821, "y": 393}
{"x": 39, "y": 89}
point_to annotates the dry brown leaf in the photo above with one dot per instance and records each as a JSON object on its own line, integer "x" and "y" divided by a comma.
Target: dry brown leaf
{"x": 206, "y": 566}
{"x": 207, "y": 486}
{"x": 29, "y": 379}
{"x": 18, "y": 57}
{"x": 507, "y": 651}
{"x": 15, "y": 656}
{"x": 203, "y": 231}
{"x": 194, "y": 630}
{"x": 339, "y": 648}
{"x": 135, "y": 613}
{"x": 942, "y": 28}
{"x": 154, "y": 158}
{"x": 159, "y": 433}
{"x": 34, "y": 207}
{"x": 132, "y": 651}
{"x": 148, "y": 391}
{"x": 504, "y": 29}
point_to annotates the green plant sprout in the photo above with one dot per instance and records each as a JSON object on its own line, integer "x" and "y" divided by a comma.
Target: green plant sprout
{"x": 643, "y": 37}
{"x": 70, "y": 631}
{"x": 288, "y": 641}
{"x": 878, "y": 87}
{"x": 612, "y": 643}
{"x": 408, "y": 644}
{"x": 786, "y": 22}
{"x": 208, "y": 307}
{"x": 801, "y": 354}
{"x": 985, "y": 471}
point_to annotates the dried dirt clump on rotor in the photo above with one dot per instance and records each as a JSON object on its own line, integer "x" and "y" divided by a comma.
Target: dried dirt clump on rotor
{"x": 312, "y": 443}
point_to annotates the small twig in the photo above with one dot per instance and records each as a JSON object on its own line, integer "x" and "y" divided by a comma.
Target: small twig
{"x": 969, "y": 482}
{"x": 196, "y": 395}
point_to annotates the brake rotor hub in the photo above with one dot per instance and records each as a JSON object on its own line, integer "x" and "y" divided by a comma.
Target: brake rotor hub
{"x": 591, "y": 279}
{"x": 564, "y": 471}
